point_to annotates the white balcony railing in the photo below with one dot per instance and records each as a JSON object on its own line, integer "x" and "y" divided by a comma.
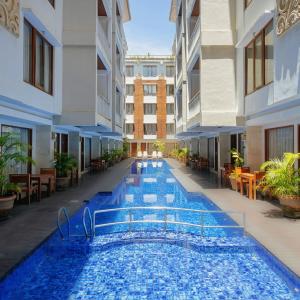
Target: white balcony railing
{"x": 194, "y": 105}
{"x": 103, "y": 107}
{"x": 103, "y": 38}
{"x": 194, "y": 36}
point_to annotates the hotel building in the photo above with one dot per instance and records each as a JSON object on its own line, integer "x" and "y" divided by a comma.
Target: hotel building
{"x": 62, "y": 82}
{"x": 149, "y": 102}
{"x": 237, "y": 78}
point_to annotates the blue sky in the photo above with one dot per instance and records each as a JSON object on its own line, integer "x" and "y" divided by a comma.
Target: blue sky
{"x": 150, "y": 29}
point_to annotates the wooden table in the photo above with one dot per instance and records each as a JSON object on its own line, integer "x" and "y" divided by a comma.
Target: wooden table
{"x": 248, "y": 178}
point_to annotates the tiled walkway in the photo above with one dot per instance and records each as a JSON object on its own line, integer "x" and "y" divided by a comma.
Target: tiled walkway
{"x": 264, "y": 220}
{"x": 28, "y": 226}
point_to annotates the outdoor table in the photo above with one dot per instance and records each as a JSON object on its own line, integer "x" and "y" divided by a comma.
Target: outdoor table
{"x": 248, "y": 178}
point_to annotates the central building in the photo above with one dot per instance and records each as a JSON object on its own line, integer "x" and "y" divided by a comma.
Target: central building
{"x": 150, "y": 102}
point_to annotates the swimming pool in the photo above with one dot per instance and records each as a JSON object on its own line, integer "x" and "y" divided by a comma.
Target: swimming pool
{"x": 151, "y": 261}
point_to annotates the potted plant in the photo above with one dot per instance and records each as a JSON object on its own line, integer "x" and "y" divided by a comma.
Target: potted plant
{"x": 126, "y": 148}
{"x": 282, "y": 178}
{"x": 159, "y": 146}
{"x": 11, "y": 151}
{"x": 183, "y": 155}
{"x": 64, "y": 164}
{"x": 238, "y": 164}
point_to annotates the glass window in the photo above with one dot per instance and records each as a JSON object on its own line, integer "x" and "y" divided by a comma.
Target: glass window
{"x": 170, "y": 89}
{"x": 149, "y": 109}
{"x": 150, "y": 90}
{"x": 170, "y": 71}
{"x": 279, "y": 141}
{"x": 129, "y": 89}
{"x": 129, "y": 128}
{"x": 129, "y": 108}
{"x": 250, "y": 68}
{"x": 130, "y": 71}
{"x": 38, "y": 59}
{"x": 258, "y": 61}
{"x": 269, "y": 53}
{"x": 170, "y": 129}
{"x": 118, "y": 102}
{"x": 150, "y": 129}
{"x": 150, "y": 71}
{"x": 170, "y": 108}
{"x": 87, "y": 152}
{"x": 22, "y": 135}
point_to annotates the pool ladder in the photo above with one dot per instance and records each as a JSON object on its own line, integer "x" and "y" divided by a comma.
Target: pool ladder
{"x": 88, "y": 233}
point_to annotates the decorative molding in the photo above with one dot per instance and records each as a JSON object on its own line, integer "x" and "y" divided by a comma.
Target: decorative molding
{"x": 10, "y": 15}
{"x": 288, "y": 15}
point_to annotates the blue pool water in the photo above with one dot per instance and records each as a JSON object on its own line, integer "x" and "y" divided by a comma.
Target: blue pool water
{"x": 151, "y": 261}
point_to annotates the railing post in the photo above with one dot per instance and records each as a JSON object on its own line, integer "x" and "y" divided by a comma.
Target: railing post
{"x": 130, "y": 220}
{"x": 202, "y": 221}
{"x": 165, "y": 217}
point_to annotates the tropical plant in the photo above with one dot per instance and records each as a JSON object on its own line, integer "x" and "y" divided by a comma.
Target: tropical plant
{"x": 281, "y": 175}
{"x": 237, "y": 157}
{"x": 159, "y": 146}
{"x": 126, "y": 147}
{"x": 63, "y": 164}
{"x": 11, "y": 151}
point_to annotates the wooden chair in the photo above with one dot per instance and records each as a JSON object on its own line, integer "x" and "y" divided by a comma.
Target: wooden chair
{"x": 26, "y": 185}
{"x": 239, "y": 181}
{"x": 258, "y": 176}
{"x": 52, "y": 172}
{"x": 228, "y": 168}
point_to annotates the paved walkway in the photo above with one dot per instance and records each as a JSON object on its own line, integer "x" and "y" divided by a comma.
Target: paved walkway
{"x": 28, "y": 226}
{"x": 264, "y": 220}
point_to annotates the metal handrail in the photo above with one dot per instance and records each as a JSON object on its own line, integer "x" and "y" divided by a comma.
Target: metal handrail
{"x": 87, "y": 211}
{"x": 65, "y": 211}
{"x": 165, "y": 221}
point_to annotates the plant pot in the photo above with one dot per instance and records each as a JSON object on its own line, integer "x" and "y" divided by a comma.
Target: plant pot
{"x": 6, "y": 204}
{"x": 290, "y": 206}
{"x": 62, "y": 183}
{"x": 233, "y": 183}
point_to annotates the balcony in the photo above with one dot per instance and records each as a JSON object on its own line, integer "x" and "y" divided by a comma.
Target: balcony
{"x": 103, "y": 37}
{"x": 194, "y": 105}
{"x": 194, "y": 36}
{"x": 103, "y": 107}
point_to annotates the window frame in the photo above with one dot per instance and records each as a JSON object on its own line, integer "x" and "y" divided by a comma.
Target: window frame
{"x": 152, "y": 105}
{"x": 151, "y": 94}
{"x": 167, "y": 73}
{"x": 34, "y": 33}
{"x": 253, "y": 43}
{"x": 152, "y": 67}
{"x": 131, "y": 67}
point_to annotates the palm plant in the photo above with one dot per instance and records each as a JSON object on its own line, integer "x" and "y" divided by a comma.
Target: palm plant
{"x": 237, "y": 157}
{"x": 281, "y": 175}
{"x": 11, "y": 151}
{"x": 159, "y": 146}
{"x": 64, "y": 164}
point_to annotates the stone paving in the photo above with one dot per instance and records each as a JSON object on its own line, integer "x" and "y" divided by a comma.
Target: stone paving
{"x": 28, "y": 226}
{"x": 264, "y": 219}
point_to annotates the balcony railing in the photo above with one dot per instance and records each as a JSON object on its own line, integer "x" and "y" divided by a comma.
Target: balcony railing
{"x": 193, "y": 36}
{"x": 104, "y": 39}
{"x": 103, "y": 107}
{"x": 194, "y": 105}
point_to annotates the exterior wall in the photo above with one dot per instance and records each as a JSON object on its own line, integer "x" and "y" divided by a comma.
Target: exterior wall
{"x": 138, "y": 139}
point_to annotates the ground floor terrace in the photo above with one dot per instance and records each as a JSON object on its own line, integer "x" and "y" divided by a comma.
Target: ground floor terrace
{"x": 150, "y": 187}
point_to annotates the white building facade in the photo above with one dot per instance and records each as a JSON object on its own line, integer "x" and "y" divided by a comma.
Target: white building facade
{"x": 61, "y": 82}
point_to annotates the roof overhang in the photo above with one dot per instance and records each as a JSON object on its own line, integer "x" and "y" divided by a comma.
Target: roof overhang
{"x": 172, "y": 16}
{"x": 260, "y": 23}
{"x": 127, "y": 12}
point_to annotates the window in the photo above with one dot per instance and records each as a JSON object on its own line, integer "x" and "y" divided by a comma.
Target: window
{"x": 170, "y": 89}
{"x": 170, "y": 108}
{"x": 150, "y": 129}
{"x": 129, "y": 128}
{"x": 170, "y": 71}
{"x": 170, "y": 129}
{"x": 150, "y": 71}
{"x": 130, "y": 71}
{"x": 23, "y": 135}
{"x": 279, "y": 141}
{"x": 149, "y": 109}
{"x": 61, "y": 143}
{"x": 129, "y": 108}
{"x": 118, "y": 102}
{"x": 38, "y": 59}
{"x": 129, "y": 89}
{"x": 150, "y": 90}
{"x": 87, "y": 152}
{"x": 247, "y": 3}
{"x": 259, "y": 60}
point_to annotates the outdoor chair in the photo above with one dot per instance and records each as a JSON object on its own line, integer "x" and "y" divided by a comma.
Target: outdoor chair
{"x": 159, "y": 155}
{"x": 145, "y": 154}
{"x": 52, "y": 172}
{"x": 26, "y": 185}
{"x": 154, "y": 154}
{"x": 139, "y": 154}
{"x": 258, "y": 176}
